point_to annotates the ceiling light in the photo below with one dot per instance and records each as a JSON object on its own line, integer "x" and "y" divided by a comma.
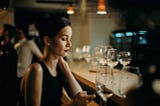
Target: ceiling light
{"x": 70, "y": 9}
{"x": 101, "y": 8}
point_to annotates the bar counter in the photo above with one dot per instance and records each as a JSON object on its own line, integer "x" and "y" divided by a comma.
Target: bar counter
{"x": 85, "y": 75}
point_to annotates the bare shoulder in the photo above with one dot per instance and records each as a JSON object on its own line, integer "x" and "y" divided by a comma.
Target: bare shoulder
{"x": 34, "y": 69}
{"x": 32, "y": 77}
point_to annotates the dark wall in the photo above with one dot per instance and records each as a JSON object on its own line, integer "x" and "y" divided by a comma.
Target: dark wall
{"x": 4, "y": 4}
{"x": 24, "y": 18}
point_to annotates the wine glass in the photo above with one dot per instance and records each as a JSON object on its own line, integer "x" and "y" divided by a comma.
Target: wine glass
{"x": 112, "y": 60}
{"x": 77, "y": 54}
{"x": 130, "y": 79}
{"x": 112, "y": 57}
{"x": 124, "y": 58}
{"x": 103, "y": 76}
{"x": 86, "y": 50}
{"x": 100, "y": 54}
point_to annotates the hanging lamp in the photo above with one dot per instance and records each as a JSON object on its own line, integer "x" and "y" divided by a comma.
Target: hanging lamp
{"x": 70, "y": 9}
{"x": 101, "y": 8}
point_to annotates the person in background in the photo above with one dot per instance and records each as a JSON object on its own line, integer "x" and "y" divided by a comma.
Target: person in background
{"x": 25, "y": 49}
{"x": 8, "y": 67}
{"x": 43, "y": 81}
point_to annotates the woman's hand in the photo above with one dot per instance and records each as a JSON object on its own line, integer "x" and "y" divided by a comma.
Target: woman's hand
{"x": 63, "y": 64}
{"x": 82, "y": 99}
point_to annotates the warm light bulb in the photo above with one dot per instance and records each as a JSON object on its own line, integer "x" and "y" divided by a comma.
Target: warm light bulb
{"x": 101, "y": 12}
{"x": 70, "y": 10}
{"x": 101, "y": 9}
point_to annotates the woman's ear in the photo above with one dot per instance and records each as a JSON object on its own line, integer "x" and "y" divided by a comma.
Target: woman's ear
{"x": 46, "y": 40}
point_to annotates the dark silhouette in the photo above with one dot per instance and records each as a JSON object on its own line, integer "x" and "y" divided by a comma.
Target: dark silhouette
{"x": 8, "y": 67}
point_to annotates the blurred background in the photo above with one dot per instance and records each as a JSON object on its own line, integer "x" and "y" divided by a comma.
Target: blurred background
{"x": 132, "y": 25}
{"x": 127, "y": 25}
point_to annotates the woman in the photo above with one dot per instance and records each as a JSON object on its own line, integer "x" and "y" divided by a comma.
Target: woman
{"x": 43, "y": 81}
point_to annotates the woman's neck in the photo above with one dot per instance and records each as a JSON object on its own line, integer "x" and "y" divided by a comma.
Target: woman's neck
{"x": 51, "y": 61}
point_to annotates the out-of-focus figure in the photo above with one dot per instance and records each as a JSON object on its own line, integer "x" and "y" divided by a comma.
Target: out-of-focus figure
{"x": 8, "y": 67}
{"x": 25, "y": 49}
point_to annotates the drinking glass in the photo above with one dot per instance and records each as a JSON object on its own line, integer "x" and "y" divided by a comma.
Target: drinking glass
{"x": 112, "y": 60}
{"x": 86, "y": 50}
{"x": 124, "y": 58}
{"x": 112, "y": 57}
{"x": 77, "y": 54}
{"x": 130, "y": 78}
{"x": 103, "y": 79}
{"x": 100, "y": 54}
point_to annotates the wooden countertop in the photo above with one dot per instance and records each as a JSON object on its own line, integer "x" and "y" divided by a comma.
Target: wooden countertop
{"x": 82, "y": 72}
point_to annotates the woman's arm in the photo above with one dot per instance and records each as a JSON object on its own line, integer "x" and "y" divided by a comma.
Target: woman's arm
{"x": 79, "y": 97}
{"x": 74, "y": 86}
{"x": 35, "y": 49}
{"x": 32, "y": 85}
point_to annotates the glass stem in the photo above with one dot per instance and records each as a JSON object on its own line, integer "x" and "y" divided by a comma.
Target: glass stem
{"x": 103, "y": 103}
{"x": 112, "y": 77}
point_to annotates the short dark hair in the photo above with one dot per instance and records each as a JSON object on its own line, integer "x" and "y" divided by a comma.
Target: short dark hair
{"x": 51, "y": 25}
{"x": 10, "y": 29}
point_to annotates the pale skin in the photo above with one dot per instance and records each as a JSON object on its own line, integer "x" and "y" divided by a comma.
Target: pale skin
{"x": 54, "y": 50}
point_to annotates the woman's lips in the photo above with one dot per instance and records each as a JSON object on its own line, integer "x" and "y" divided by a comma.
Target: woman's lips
{"x": 67, "y": 50}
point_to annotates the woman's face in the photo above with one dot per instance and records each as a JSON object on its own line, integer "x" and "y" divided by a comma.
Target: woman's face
{"x": 61, "y": 43}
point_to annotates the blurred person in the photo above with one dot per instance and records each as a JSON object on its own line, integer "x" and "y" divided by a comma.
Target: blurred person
{"x": 25, "y": 49}
{"x": 8, "y": 67}
{"x": 43, "y": 81}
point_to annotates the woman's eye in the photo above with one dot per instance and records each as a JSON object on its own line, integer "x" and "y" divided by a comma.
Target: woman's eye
{"x": 64, "y": 39}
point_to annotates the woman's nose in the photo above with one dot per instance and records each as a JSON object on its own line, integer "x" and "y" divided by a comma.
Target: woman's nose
{"x": 69, "y": 43}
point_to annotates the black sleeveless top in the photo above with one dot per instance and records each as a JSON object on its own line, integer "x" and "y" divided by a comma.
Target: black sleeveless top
{"x": 51, "y": 87}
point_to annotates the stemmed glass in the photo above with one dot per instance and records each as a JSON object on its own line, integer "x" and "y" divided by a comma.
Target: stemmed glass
{"x": 77, "y": 54}
{"x": 112, "y": 57}
{"x": 100, "y": 54}
{"x": 112, "y": 60}
{"x": 103, "y": 76}
{"x": 124, "y": 58}
{"x": 86, "y": 50}
{"x": 130, "y": 78}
